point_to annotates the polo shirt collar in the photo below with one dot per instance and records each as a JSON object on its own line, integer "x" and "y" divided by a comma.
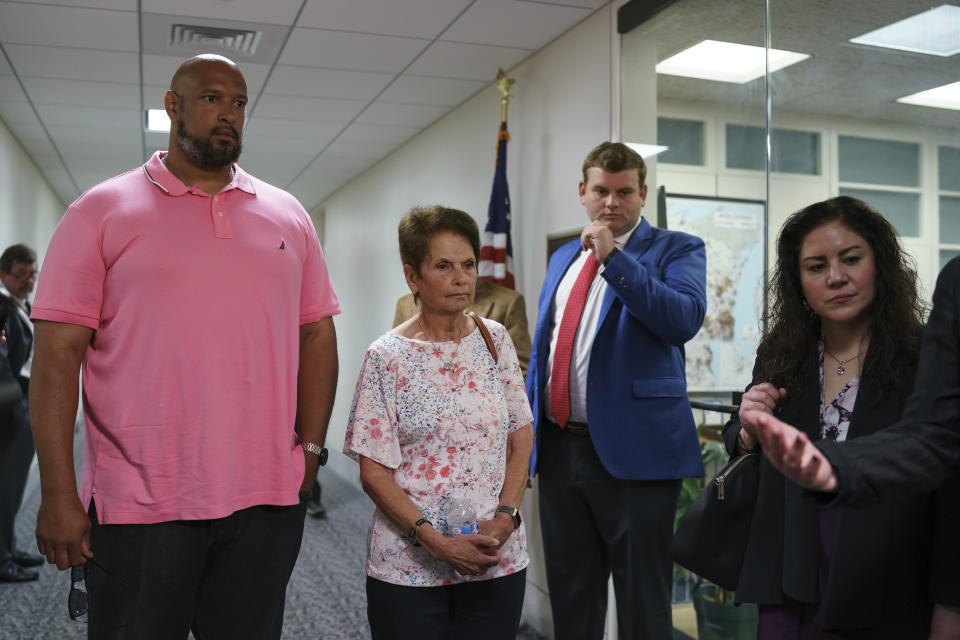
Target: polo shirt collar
{"x": 160, "y": 176}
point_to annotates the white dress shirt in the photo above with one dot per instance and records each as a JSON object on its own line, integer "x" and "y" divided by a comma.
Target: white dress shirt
{"x": 586, "y": 330}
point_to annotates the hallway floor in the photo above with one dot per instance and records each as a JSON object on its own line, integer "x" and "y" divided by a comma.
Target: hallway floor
{"x": 325, "y": 598}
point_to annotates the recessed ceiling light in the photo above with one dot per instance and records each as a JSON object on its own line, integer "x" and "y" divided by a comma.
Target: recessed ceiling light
{"x": 158, "y": 120}
{"x": 646, "y": 150}
{"x": 945, "y": 97}
{"x": 935, "y": 32}
{"x": 726, "y": 62}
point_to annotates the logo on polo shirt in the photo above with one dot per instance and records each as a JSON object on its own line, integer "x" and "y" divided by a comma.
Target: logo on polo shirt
{"x": 282, "y": 245}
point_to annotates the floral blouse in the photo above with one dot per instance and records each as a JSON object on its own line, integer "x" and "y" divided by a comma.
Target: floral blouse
{"x": 439, "y": 414}
{"x": 835, "y": 416}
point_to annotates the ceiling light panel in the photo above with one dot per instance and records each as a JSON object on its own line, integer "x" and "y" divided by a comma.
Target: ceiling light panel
{"x": 934, "y": 32}
{"x": 945, "y": 97}
{"x": 647, "y": 151}
{"x": 727, "y": 62}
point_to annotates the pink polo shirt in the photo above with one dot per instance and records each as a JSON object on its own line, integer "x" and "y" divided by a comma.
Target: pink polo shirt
{"x": 189, "y": 383}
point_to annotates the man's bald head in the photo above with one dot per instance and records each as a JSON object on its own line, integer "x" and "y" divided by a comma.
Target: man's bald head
{"x": 195, "y": 66}
{"x": 206, "y": 104}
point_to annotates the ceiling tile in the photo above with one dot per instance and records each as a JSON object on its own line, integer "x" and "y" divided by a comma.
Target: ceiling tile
{"x": 92, "y": 175}
{"x": 17, "y": 113}
{"x": 327, "y": 83}
{"x": 10, "y": 90}
{"x": 121, "y": 158}
{"x": 358, "y": 132}
{"x": 158, "y": 70}
{"x": 587, "y": 4}
{"x": 357, "y": 51}
{"x": 64, "y": 135}
{"x": 407, "y": 115}
{"x": 68, "y": 27}
{"x": 443, "y": 92}
{"x": 255, "y": 144}
{"x": 280, "y": 166}
{"x": 468, "y": 61}
{"x": 337, "y": 165}
{"x": 5, "y": 69}
{"x": 60, "y": 115}
{"x": 334, "y": 169}
{"x": 507, "y": 23}
{"x": 311, "y": 192}
{"x": 273, "y": 12}
{"x": 371, "y": 150}
{"x": 285, "y": 128}
{"x": 43, "y": 90}
{"x": 119, "y": 5}
{"x": 309, "y": 108}
{"x": 73, "y": 64}
{"x": 413, "y": 18}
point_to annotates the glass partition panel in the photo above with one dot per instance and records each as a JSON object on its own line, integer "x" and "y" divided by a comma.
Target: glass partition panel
{"x": 859, "y": 88}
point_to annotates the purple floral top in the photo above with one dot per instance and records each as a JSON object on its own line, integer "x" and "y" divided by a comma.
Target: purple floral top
{"x": 835, "y": 416}
{"x": 439, "y": 414}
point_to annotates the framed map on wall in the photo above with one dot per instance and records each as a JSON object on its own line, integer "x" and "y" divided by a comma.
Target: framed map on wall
{"x": 720, "y": 357}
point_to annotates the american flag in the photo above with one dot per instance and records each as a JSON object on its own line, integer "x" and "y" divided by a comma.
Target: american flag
{"x": 496, "y": 252}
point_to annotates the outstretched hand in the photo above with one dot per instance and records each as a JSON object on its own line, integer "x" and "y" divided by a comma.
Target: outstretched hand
{"x": 792, "y": 453}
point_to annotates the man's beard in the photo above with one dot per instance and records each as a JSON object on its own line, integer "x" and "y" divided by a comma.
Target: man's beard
{"x": 202, "y": 153}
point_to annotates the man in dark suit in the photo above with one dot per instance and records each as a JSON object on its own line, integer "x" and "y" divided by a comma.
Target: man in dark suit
{"x": 607, "y": 386}
{"x": 18, "y": 275}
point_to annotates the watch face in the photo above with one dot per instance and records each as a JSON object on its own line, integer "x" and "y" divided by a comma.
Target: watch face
{"x": 324, "y": 454}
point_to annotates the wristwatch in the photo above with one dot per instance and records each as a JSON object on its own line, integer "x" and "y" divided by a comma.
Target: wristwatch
{"x": 513, "y": 512}
{"x": 320, "y": 452}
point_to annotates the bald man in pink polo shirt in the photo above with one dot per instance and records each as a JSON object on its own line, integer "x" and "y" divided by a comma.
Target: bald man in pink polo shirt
{"x": 196, "y": 301}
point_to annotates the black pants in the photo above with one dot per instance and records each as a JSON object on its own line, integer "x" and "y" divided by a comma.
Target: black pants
{"x": 484, "y": 610}
{"x": 223, "y": 578}
{"x": 593, "y": 525}
{"x": 16, "y": 454}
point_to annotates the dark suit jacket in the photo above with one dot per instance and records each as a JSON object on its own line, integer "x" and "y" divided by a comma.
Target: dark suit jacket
{"x": 922, "y": 451}
{"x": 881, "y": 569}
{"x": 493, "y": 301}
{"x": 638, "y": 411}
{"x": 14, "y": 413}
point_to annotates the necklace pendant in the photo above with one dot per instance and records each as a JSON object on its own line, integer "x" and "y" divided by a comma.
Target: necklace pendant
{"x": 841, "y": 370}
{"x": 447, "y": 365}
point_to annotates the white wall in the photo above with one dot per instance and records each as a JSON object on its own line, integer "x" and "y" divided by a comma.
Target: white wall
{"x": 560, "y": 108}
{"x": 29, "y": 208}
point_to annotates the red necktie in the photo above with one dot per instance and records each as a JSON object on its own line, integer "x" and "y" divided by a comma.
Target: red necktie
{"x": 560, "y": 379}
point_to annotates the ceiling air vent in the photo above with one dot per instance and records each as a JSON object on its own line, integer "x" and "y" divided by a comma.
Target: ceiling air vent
{"x": 191, "y": 35}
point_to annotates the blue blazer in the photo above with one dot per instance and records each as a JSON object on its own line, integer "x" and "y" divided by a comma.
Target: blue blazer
{"x": 637, "y": 407}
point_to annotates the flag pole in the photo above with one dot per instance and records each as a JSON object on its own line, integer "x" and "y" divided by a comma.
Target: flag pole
{"x": 496, "y": 250}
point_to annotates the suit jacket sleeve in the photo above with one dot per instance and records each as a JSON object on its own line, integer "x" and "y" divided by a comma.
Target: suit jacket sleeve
{"x": 13, "y": 403}
{"x": 922, "y": 450}
{"x": 671, "y": 308}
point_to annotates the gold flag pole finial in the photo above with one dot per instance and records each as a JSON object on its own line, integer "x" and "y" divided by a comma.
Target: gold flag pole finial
{"x": 504, "y": 83}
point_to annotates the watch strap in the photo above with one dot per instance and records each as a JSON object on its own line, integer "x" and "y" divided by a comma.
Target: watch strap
{"x": 317, "y": 450}
{"x": 412, "y": 534}
{"x": 513, "y": 512}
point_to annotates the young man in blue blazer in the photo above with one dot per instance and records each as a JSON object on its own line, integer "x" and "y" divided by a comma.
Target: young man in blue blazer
{"x": 615, "y": 433}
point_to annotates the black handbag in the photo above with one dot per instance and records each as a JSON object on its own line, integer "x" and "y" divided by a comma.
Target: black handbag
{"x": 712, "y": 537}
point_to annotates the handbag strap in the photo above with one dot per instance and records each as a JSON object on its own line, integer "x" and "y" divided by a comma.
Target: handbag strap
{"x": 486, "y": 334}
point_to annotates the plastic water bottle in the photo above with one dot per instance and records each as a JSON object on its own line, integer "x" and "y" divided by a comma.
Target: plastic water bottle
{"x": 461, "y": 518}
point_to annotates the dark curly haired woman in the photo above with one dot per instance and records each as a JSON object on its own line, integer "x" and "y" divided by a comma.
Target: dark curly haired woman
{"x": 838, "y": 360}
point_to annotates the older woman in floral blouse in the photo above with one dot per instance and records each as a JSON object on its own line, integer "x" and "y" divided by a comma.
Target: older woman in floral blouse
{"x": 438, "y": 417}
